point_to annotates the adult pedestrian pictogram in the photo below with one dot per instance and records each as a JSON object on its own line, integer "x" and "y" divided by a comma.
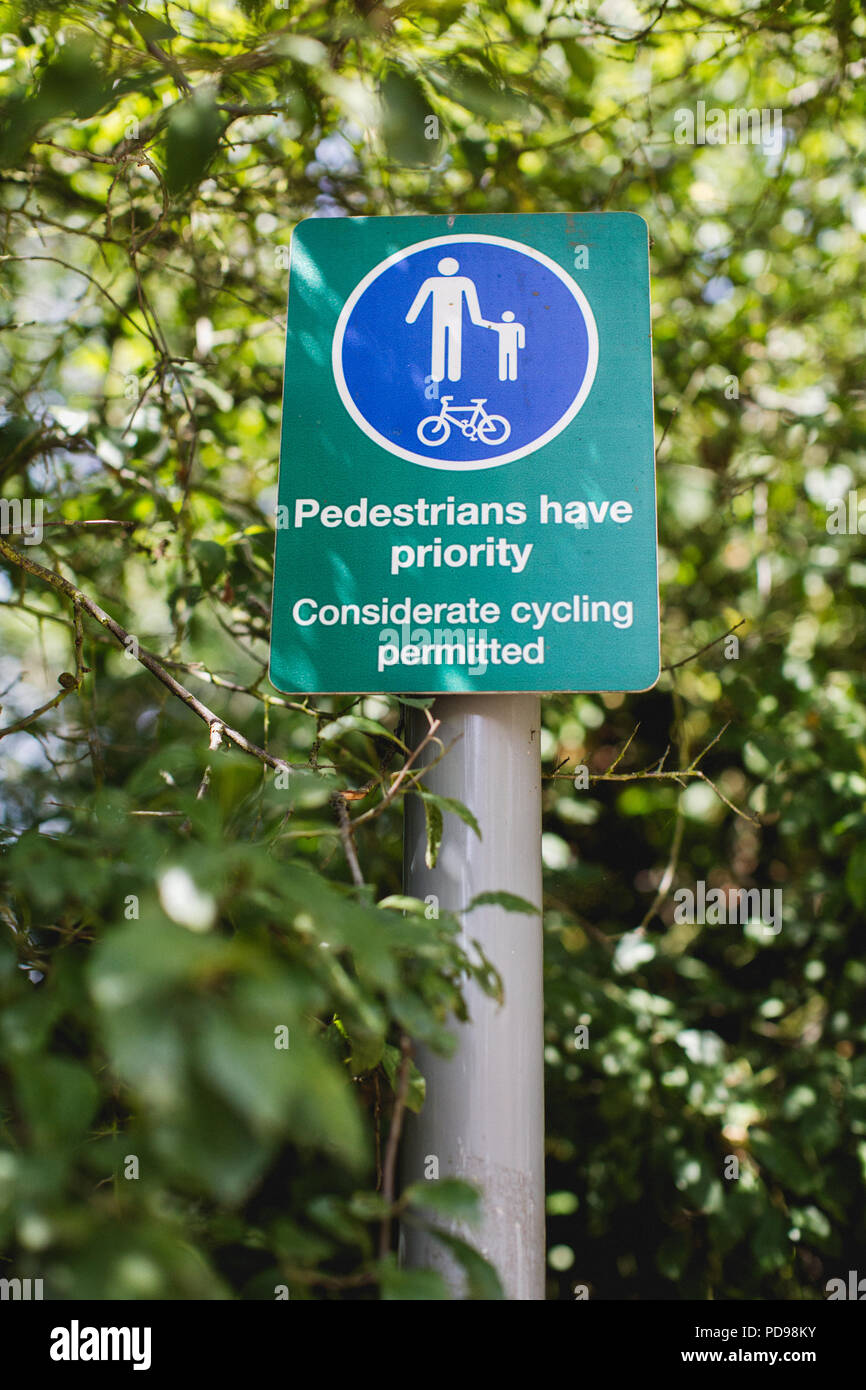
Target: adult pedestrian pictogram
{"x": 447, "y": 292}
{"x": 483, "y": 313}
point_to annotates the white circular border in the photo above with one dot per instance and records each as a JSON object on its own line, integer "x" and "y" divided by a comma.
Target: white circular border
{"x": 574, "y": 290}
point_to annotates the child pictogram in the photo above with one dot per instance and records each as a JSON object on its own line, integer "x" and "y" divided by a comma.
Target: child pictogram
{"x": 512, "y": 337}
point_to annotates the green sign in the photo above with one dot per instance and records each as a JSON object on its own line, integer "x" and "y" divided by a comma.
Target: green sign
{"x": 467, "y": 483}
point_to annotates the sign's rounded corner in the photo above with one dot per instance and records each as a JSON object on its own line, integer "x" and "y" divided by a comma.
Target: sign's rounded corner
{"x": 304, "y": 222}
{"x": 280, "y": 689}
{"x": 645, "y": 689}
{"x": 638, "y": 217}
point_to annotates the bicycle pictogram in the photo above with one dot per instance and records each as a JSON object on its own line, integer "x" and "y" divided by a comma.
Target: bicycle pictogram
{"x": 488, "y": 429}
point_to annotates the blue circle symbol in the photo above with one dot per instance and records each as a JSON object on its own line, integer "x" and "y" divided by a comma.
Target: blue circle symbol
{"x": 465, "y": 352}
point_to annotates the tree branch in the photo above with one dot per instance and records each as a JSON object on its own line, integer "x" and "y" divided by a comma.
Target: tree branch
{"x": 390, "y": 1163}
{"x": 218, "y": 728}
{"x": 686, "y": 659}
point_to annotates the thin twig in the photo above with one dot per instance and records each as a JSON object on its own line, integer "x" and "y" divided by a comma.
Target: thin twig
{"x": 676, "y": 776}
{"x": 625, "y": 748}
{"x": 686, "y": 659}
{"x": 667, "y": 877}
{"x": 146, "y": 659}
{"x": 395, "y": 785}
{"x": 345, "y": 824}
{"x": 70, "y": 686}
{"x": 672, "y": 775}
{"x": 27, "y": 719}
{"x": 712, "y": 743}
{"x": 389, "y": 1166}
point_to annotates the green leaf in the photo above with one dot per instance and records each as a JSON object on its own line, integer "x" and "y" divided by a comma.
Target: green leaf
{"x": 207, "y": 1146}
{"x": 447, "y": 1197}
{"x": 151, "y": 29}
{"x": 333, "y": 1216}
{"x": 58, "y": 1098}
{"x": 295, "y": 1244}
{"x": 417, "y": 1088}
{"x": 399, "y": 902}
{"x": 813, "y": 1225}
{"x": 194, "y": 129}
{"x": 363, "y": 725}
{"x": 771, "y": 1244}
{"x": 482, "y": 1281}
{"x": 366, "y": 1053}
{"x": 484, "y": 97}
{"x": 416, "y": 1284}
{"x": 341, "y": 921}
{"x": 409, "y": 128}
{"x": 448, "y": 803}
{"x": 512, "y": 902}
{"x": 579, "y": 59}
{"x": 782, "y": 1160}
{"x": 211, "y": 559}
{"x": 445, "y": 12}
{"x": 73, "y": 83}
{"x": 19, "y": 438}
{"x": 369, "y": 1206}
{"x": 434, "y": 824}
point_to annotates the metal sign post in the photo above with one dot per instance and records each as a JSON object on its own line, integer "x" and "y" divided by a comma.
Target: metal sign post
{"x": 466, "y": 509}
{"x": 483, "y": 1119}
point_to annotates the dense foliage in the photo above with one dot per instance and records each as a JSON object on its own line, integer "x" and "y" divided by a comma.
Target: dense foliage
{"x": 172, "y": 897}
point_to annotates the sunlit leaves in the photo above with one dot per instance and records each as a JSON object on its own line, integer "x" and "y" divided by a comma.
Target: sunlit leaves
{"x": 194, "y": 129}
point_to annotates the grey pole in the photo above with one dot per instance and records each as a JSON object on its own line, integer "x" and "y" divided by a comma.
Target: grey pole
{"x": 483, "y": 1118}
